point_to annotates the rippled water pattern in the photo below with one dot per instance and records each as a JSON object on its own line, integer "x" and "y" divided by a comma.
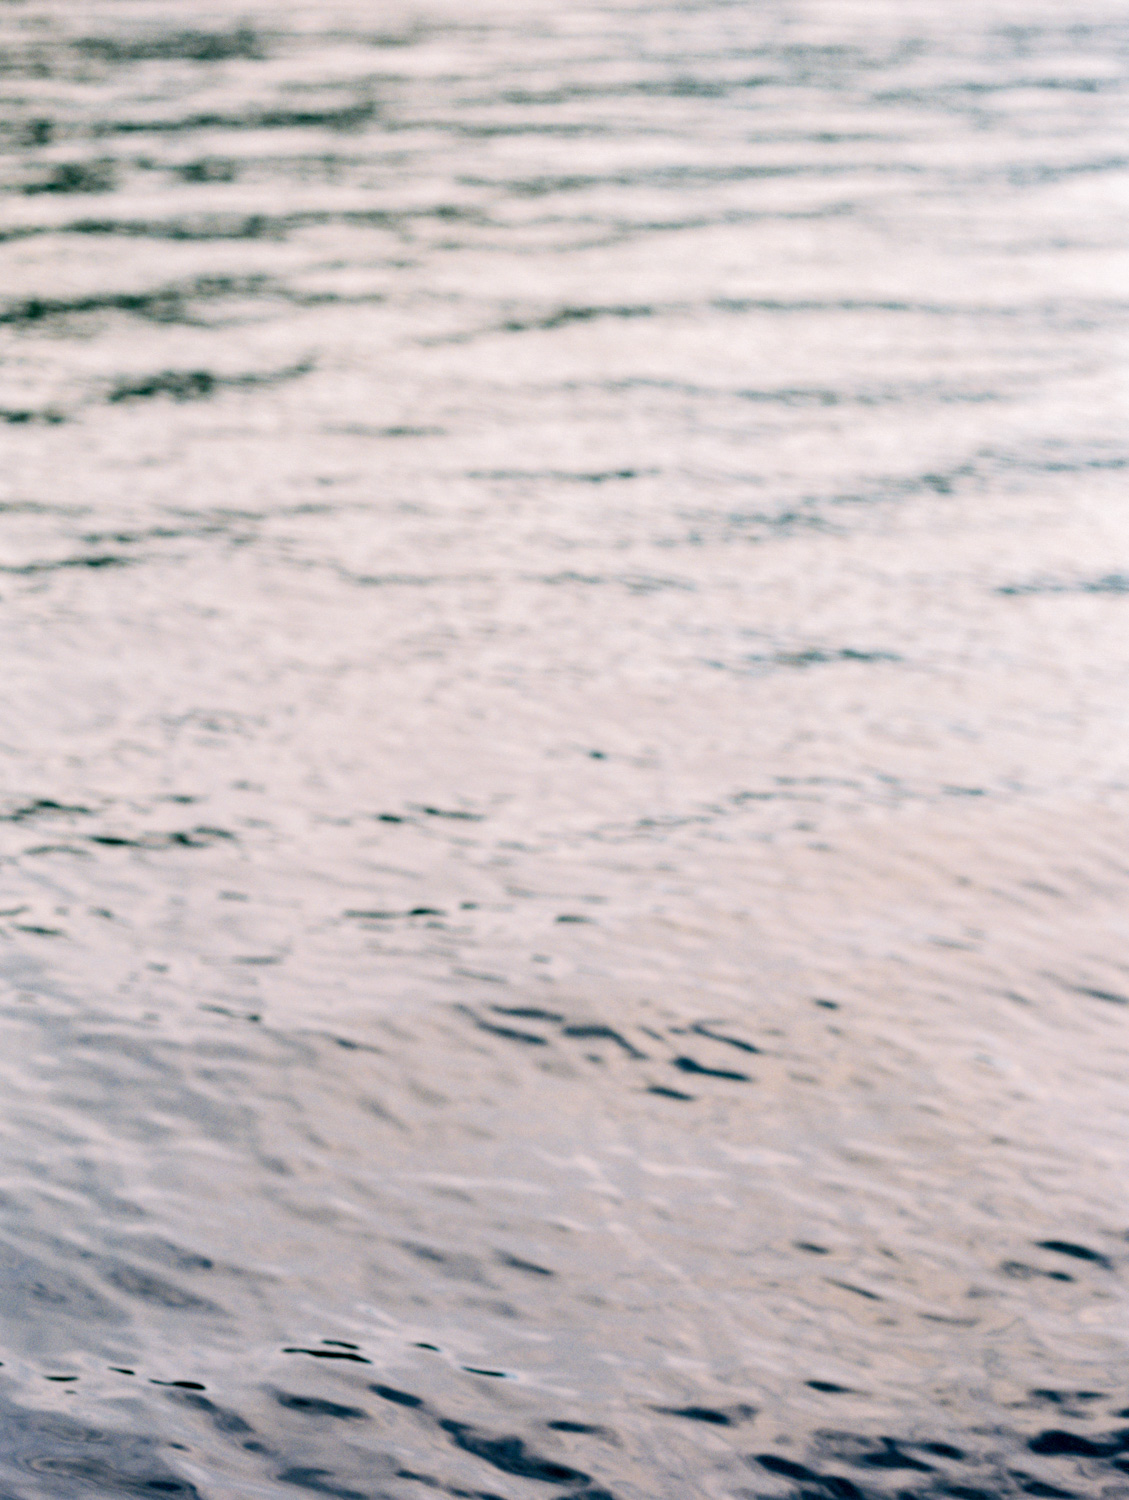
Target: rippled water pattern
{"x": 563, "y": 785}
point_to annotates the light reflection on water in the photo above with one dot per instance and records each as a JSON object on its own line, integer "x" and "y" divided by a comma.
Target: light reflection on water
{"x": 563, "y": 778}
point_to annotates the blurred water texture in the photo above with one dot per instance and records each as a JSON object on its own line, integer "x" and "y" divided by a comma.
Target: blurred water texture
{"x": 563, "y": 780}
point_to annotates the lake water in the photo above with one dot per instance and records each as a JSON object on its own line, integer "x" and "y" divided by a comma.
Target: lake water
{"x": 564, "y": 789}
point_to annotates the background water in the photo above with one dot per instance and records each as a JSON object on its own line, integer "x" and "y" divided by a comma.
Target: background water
{"x": 565, "y": 799}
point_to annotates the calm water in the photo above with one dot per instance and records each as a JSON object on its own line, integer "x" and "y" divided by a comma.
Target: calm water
{"x": 564, "y": 801}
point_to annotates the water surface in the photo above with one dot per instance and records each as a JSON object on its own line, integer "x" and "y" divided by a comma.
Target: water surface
{"x": 563, "y": 790}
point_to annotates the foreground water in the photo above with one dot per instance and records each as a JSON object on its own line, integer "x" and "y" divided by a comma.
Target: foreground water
{"x": 563, "y": 864}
